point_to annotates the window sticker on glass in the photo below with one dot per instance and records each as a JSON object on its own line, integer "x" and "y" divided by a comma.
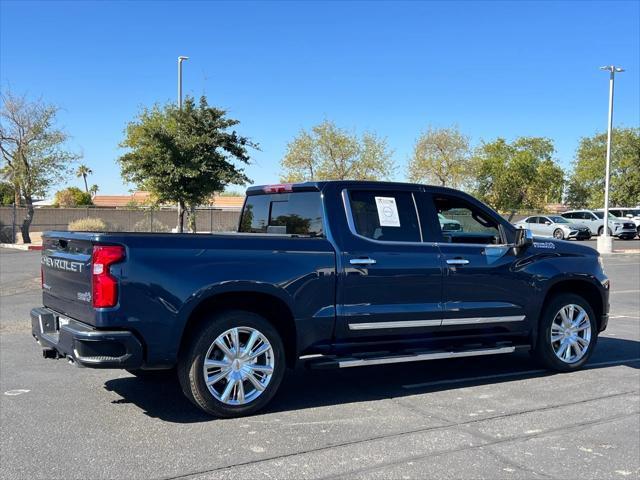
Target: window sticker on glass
{"x": 387, "y": 212}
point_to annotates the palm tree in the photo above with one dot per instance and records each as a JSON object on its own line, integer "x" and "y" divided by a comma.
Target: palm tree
{"x": 93, "y": 190}
{"x": 83, "y": 171}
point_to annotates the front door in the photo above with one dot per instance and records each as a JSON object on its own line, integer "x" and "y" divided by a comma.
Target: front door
{"x": 390, "y": 284}
{"x": 482, "y": 292}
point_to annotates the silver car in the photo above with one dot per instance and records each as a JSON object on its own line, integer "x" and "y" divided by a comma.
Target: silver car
{"x": 555, "y": 226}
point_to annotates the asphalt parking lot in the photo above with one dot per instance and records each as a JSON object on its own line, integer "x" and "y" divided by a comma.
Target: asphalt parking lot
{"x": 487, "y": 417}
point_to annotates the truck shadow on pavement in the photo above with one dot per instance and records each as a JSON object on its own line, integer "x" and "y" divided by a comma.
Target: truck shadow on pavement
{"x": 161, "y": 397}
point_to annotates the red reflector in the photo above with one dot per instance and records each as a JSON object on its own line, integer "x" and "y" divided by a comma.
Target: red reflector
{"x": 284, "y": 187}
{"x": 104, "y": 285}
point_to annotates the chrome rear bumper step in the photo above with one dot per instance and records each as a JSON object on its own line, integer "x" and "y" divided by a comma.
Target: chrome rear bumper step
{"x": 367, "y": 360}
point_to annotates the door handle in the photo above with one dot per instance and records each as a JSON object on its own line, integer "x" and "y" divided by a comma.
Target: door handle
{"x": 457, "y": 261}
{"x": 362, "y": 261}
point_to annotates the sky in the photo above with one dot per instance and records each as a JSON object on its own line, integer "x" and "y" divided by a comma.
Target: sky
{"x": 494, "y": 69}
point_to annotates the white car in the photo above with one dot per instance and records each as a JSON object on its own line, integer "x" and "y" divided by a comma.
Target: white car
{"x": 627, "y": 214}
{"x": 555, "y": 226}
{"x": 449, "y": 224}
{"x": 595, "y": 221}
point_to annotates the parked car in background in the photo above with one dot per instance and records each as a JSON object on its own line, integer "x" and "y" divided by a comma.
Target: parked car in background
{"x": 595, "y": 221}
{"x": 448, "y": 224}
{"x": 627, "y": 214}
{"x": 555, "y": 226}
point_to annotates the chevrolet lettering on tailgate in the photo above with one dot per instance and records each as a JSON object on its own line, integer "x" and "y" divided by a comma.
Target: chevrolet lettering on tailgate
{"x": 62, "y": 264}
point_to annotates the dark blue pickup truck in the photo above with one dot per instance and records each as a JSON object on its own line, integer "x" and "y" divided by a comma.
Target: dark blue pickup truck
{"x": 335, "y": 274}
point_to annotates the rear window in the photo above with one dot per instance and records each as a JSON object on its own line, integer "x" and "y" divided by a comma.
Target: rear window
{"x": 283, "y": 213}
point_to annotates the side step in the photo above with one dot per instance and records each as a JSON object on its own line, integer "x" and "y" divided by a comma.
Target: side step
{"x": 380, "y": 359}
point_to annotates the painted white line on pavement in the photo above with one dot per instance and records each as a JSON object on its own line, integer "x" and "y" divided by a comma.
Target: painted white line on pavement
{"x": 625, "y": 291}
{"x": 13, "y": 393}
{"x": 622, "y": 316}
{"x": 512, "y": 374}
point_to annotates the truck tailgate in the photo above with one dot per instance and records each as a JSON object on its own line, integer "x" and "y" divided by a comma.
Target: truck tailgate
{"x": 66, "y": 276}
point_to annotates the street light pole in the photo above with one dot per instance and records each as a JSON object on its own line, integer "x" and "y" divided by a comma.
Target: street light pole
{"x": 180, "y": 60}
{"x": 605, "y": 244}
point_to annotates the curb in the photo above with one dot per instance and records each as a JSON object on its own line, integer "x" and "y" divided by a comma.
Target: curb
{"x": 20, "y": 246}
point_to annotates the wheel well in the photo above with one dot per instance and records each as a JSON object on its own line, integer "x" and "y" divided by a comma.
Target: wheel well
{"x": 270, "y": 307}
{"x": 586, "y": 290}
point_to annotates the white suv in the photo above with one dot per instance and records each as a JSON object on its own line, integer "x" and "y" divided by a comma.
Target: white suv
{"x": 627, "y": 215}
{"x": 624, "y": 229}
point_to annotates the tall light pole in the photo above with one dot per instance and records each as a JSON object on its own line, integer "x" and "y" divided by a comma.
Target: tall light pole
{"x": 605, "y": 245}
{"x": 180, "y": 60}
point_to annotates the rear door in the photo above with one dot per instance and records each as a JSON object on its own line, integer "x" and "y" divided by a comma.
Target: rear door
{"x": 391, "y": 279}
{"x": 533, "y": 224}
{"x": 66, "y": 276}
{"x": 482, "y": 292}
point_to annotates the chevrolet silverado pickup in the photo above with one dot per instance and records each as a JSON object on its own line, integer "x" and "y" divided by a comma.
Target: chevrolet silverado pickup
{"x": 336, "y": 274}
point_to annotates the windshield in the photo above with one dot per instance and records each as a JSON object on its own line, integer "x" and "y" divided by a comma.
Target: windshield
{"x": 559, "y": 220}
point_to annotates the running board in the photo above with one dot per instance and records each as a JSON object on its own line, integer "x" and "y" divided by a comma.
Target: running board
{"x": 347, "y": 362}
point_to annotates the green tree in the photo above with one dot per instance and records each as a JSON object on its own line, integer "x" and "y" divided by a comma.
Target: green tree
{"x": 93, "y": 190}
{"x": 441, "y": 156}
{"x": 517, "y": 175}
{"x": 586, "y": 186}
{"x": 7, "y": 194}
{"x": 184, "y": 156}
{"x": 84, "y": 171}
{"x": 72, "y": 197}
{"x": 331, "y": 153}
{"x": 33, "y": 151}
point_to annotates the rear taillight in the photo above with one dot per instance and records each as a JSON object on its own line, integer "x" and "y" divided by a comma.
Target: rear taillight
{"x": 105, "y": 285}
{"x": 41, "y": 276}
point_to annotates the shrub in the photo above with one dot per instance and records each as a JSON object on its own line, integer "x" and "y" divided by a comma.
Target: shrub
{"x": 145, "y": 225}
{"x": 88, "y": 224}
{"x": 72, "y": 197}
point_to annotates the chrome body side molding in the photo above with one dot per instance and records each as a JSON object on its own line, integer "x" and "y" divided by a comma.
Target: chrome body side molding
{"x": 435, "y": 323}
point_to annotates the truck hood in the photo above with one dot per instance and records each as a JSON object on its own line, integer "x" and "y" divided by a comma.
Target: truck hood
{"x": 551, "y": 245}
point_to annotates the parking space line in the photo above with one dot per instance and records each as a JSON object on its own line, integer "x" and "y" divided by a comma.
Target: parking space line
{"x": 625, "y": 291}
{"x": 511, "y": 374}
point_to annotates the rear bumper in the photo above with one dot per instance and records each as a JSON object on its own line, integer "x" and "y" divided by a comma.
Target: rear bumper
{"x": 83, "y": 344}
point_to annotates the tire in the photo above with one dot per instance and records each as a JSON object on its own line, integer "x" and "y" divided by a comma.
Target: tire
{"x": 601, "y": 231}
{"x": 545, "y": 351}
{"x": 153, "y": 374}
{"x": 558, "y": 234}
{"x": 227, "y": 396}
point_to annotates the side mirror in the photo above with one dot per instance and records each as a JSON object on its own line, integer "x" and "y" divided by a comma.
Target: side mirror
{"x": 547, "y": 223}
{"x": 524, "y": 238}
{"x": 628, "y": 215}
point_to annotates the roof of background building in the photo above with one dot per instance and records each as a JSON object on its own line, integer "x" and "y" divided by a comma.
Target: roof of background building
{"x": 218, "y": 201}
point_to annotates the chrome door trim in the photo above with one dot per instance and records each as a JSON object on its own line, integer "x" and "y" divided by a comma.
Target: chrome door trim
{"x": 398, "y": 324}
{"x": 457, "y": 261}
{"x": 362, "y": 261}
{"x": 480, "y": 320}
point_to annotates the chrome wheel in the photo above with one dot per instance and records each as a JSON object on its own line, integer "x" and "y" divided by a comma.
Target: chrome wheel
{"x": 238, "y": 365}
{"x": 558, "y": 234}
{"x": 571, "y": 333}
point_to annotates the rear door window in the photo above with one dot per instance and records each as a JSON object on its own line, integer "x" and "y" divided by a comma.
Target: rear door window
{"x": 298, "y": 213}
{"x": 384, "y": 216}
